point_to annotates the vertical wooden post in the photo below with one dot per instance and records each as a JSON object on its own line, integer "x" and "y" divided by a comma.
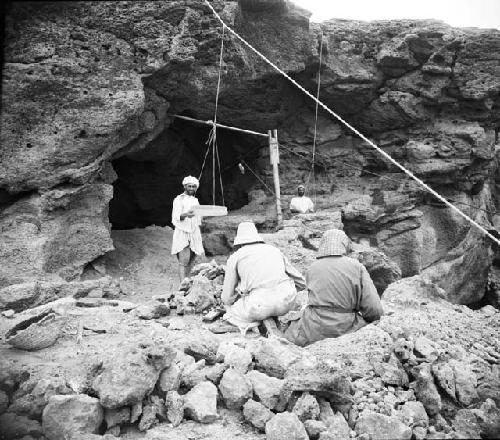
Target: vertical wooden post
{"x": 275, "y": 160}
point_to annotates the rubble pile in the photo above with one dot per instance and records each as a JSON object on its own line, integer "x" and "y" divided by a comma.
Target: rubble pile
{"x": 199, "y": 292}
{"x": 426, "y": 370}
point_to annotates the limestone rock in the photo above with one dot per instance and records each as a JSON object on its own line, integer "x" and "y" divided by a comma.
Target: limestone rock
{"x": 152, "y": 310}
{"x": 175, "y": 407}
{"x": 320, "y": 377}
{"x": 381, "y": 427}
{"x": 466, "y": 424}
{"x": 306, "y": 408}
{"x": 338, "y": 428}
{"x": 200, "y": 403}
{"x": 32, "y": 396}
{"x": 415, "y": 412}
{"x": 382, "y": 270}
{"x": 285, "y": 426}
{"x": 266, "y": 388}
{"x": 200, "y": 296}
{"x": 413, "y": 291}
{"x": 55, "y": 234}
{"x": 314, "y": 428}
{"x": 256, "y": 414}
{"x": 130, "y": 372}
{"x": 203, "y": 347}
{"x": 426, "y": 390}
{"x": 274, "y": 358}
{"x": 35, "y": 293}
{"x": 170, "y": 379}
{"x": 16, "y": 426}
{"x": 488, "y": 417}
{"x": 66, "y": 415}
{"x": 214, "y": 373}
{"x": 114, "y": 417}
{"x": 235, "y": 388}
{"x": 457, "y": 379}
{"x": 238, "y": 358}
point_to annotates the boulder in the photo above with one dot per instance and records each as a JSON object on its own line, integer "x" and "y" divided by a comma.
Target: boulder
{"x": 200, "y": 403}
{"x": 256, "y": 414}
{"x": 306, "y": 408}
{"x": 267, "y": 389}
{"x": 383, "y": 271}
{"x": 488, "y": 416}
{"x": 413, "y": 291}
{"x": 15, "y": 426}
{"x": 235, "y": 388}
{"x": 55, "y": 234}
{"x": 285, "y": 426}
{"x": 66, "y": 415}
{"x": 129, "y": 373}
{"x": 381, "y": 427}
{"x": 174, "y": 403}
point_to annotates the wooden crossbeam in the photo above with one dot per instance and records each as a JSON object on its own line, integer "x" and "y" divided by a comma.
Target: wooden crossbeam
{"x": 211, "y": 123}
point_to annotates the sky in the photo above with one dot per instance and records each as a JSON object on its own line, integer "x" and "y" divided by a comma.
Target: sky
{"x": 457, "y": 13}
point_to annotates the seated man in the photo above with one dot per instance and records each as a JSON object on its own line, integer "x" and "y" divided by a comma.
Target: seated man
{"x": 301, "y": 204}
{"x": 342, "y": 297}
{"x": 259, "y": 282}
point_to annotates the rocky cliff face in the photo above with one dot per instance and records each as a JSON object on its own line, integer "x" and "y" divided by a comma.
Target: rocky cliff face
{"x": 89, "y": 91}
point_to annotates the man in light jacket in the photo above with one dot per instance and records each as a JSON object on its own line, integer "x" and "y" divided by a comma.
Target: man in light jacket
{"x": 259, "y": 283}
{"x": 186, "y": 241}
{"x": 342, "y": 297}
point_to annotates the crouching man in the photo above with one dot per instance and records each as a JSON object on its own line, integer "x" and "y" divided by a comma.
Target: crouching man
{"x": 259, "y": 283}
{"x": 341, "y": 295}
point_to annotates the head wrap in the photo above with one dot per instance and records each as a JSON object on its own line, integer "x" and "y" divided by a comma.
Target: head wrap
{"x": 334, "y": 242}
{"x": 301, "y": 186}
{"x": 190, "y": 180}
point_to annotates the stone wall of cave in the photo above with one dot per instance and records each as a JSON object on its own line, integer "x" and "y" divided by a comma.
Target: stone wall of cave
{"x": 148, "y": 180}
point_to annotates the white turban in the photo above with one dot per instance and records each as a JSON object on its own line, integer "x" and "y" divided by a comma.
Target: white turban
{"x": 190, "y": 180}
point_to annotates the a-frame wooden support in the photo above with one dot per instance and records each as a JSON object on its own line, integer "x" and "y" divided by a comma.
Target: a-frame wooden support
{"x": 272, "y": 136}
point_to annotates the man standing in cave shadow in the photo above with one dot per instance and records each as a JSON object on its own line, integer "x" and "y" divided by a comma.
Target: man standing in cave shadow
{"x": 186, "y": 242}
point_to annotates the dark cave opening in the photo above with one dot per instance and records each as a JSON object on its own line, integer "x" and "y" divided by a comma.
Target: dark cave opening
{"x": 149, "y": 180}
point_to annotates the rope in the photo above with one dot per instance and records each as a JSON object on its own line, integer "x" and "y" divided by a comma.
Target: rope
{"x": 316, "y": 122}
{"x": 212, "y": 137}
{"x": 260, "y": 180}
{"x": 354, "y": 130}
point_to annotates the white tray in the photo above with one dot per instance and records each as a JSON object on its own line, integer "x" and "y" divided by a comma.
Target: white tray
{"x": 210, "y": 210}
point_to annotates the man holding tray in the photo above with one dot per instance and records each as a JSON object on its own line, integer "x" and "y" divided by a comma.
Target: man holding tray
{"x": 186, "y": 242}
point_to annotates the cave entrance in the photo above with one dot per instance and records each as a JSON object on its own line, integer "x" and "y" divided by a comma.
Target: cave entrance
{"x": 149, "y": 179}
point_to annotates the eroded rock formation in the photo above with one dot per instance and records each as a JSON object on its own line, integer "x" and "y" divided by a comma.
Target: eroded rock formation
{"x": 90, "y": 88}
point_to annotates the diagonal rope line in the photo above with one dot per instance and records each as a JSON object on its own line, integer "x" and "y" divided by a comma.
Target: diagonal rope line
{"x": 220, "y": 178}
{"x": 354, "y": 130}
{"x": 259, "y": 179}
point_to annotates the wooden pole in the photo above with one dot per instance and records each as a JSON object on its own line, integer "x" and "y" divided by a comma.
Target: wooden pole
{"x": 228, "y": 127}
{"x": 275, "y": 160}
